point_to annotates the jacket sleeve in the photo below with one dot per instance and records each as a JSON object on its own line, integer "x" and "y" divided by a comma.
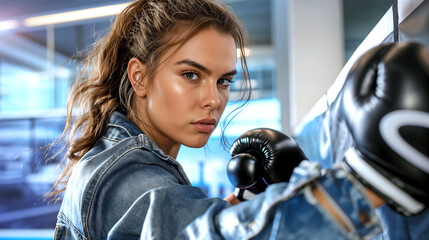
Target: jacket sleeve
{"x": 290, "y": 211}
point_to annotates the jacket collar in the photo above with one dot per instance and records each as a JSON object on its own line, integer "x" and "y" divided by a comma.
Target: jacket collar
{"x": 120, "y": 127}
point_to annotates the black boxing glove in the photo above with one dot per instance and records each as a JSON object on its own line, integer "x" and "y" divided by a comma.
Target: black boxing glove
{"x": 385, "y": 104}
{"x": 261, "y": 157}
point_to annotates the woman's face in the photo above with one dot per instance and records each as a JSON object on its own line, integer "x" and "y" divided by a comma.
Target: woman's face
{"x": 186, "y": 99}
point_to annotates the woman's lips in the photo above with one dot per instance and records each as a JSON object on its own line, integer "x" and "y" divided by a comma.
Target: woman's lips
{"x": 205, "y": 125}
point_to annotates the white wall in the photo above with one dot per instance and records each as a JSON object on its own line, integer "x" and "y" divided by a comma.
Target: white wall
{"x": 308, "y": 39}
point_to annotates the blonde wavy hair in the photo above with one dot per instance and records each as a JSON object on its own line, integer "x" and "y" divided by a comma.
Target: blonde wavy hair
{"x": 146, "y": 29}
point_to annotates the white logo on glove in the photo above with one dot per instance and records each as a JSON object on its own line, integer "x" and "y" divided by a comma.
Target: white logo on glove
{"x": 389, "y": 130}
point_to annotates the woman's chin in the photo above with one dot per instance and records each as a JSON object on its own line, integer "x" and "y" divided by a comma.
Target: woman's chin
{"x": 197, "y": 144}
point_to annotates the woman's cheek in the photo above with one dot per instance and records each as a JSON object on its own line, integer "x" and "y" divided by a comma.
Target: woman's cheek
{"x": 179, "y": 93}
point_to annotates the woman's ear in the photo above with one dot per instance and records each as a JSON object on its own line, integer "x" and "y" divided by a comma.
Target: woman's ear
{"x": 136, "y": 75}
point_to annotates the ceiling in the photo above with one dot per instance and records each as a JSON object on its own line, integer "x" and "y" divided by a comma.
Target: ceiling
{"x": 359, "y": 18}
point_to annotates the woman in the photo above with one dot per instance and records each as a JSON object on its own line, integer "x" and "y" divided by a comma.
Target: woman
{"x": 160, "y": 79}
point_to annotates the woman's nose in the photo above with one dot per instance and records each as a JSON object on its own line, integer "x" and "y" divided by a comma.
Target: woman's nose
{"x": 210, "y": 96}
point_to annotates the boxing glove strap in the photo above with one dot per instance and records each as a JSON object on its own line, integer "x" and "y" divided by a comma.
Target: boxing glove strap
{"x": 380, "y": 183}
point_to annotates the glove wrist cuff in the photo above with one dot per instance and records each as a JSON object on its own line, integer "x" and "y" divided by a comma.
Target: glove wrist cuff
{"x": 243, "y": 194}
{"x": 372, "y": 178}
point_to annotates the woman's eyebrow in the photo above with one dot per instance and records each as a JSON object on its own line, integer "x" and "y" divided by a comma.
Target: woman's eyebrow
{"x": 194, "y": 64}
{"x": 230, "y": 73}
{"x": 202, "y": 68}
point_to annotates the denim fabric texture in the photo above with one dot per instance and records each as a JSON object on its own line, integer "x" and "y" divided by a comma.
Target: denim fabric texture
{"x": 125, "y": 187}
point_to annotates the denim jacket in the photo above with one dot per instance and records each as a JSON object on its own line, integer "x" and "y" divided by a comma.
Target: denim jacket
{"x": 125, "y": 187}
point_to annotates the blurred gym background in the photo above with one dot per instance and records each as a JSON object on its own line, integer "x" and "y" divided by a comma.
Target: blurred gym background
{"x": 296, "y": 48}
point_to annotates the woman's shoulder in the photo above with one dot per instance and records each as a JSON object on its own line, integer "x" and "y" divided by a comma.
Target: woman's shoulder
{"x": 135, "y": 155}
{"x": 108, "y": 182}
{"x": 106, "y": 156}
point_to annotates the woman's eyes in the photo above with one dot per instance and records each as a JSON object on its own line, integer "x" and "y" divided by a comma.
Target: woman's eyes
{"x": 192, "y": 76}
